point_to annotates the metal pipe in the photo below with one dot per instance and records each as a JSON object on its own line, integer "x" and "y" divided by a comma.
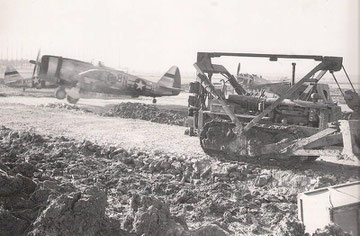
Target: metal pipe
{"x": 217, "y": 96}
{"x": 332, "y": 73}
{"x": 293, "y": 73}
{"x": 347, "y": 76}
{"x": 270, "y": 56}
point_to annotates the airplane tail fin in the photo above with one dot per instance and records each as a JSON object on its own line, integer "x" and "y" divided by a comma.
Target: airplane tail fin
{"x": 171, "y": 80}
{"x": 12, "y": 76}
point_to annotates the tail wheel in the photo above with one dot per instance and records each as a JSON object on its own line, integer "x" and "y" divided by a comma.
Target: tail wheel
{"x": 72, "y": 100}
{"x": 60, "y": 93}
{"x": 154, "y": 100}
{"x": 40, "y": 85}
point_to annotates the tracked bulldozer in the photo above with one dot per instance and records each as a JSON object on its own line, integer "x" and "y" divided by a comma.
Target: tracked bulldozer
{"x": 303, "y": 122}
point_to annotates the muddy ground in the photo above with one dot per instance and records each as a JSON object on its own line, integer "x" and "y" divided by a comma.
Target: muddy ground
{"x": 68, "y": 171}
{"x": 60, "y": 186}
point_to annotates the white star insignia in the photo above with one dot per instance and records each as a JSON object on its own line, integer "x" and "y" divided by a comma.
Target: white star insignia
{"x": 140, "y": 85}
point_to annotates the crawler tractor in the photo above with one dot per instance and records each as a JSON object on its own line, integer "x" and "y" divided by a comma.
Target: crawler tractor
{"x": 303, "y": 122}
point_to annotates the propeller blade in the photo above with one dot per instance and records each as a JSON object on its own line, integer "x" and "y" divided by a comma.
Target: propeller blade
{"x": 38, "y": 55}
{"x": 33, "y": 74}
{"x": 35, "y": 64}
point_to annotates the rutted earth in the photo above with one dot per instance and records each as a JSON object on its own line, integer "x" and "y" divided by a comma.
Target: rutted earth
{"x": 71, "y": 174}
{"x": 59, "y": 186}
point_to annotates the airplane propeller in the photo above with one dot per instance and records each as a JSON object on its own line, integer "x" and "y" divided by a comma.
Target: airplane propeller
{"x": 36, "y": 63}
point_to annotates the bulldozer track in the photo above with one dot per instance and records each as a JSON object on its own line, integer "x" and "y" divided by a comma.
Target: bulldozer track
{"x": 218, "y": 138}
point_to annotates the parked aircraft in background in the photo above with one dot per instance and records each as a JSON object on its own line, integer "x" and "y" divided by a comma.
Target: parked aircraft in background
{"x": 70, "y": 77}
{"x": 12, "y": 78}
{"x": 255, "y": 82}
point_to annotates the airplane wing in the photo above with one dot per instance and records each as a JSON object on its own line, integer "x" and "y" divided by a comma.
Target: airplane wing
{"x": 172, "y": 88}
{"x": 277, "y": 88}
{"x": 97, "y": 79}
{"x": 96, "y": 75}
{"x": 92, "y": 73}
{"x": 270, "y": 85}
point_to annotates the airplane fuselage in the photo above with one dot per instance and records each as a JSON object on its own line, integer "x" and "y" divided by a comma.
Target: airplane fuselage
{"x": 119, "y": 82}
{"x": 69, "y": 73}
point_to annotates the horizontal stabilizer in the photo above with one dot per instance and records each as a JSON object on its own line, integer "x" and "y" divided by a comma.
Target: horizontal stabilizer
{"x": 12, "y": 76}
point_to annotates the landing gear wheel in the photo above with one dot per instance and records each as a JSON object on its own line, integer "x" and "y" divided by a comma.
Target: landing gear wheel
{"x": 60, "y": 93}
{"x": 154, "y": 100}
{"x": 72, "y": 100}
{"x": 40, "y": 85}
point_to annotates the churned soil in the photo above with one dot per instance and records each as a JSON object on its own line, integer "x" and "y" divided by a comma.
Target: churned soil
{"x": 65, "y": 171}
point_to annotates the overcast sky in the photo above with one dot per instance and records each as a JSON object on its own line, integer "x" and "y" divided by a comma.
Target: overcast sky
{"x": 152, "y": 35}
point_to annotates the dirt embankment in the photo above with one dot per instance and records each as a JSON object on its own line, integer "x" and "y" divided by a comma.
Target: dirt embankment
{"x": 59, "y": 186}
{"x": 148, "y": 112}
{"x": 64, "y": 106}
{"x": 133, "y": 111}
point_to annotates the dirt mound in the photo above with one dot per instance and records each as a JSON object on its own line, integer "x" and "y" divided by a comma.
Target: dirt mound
{"x": 331, "y": 229}
{"x": 34, "y": 199}
{"x": 19, "y": 197}
{"x": 147, "y": 112}
{"x": 17, "y": 210}
{"x": 289, "y": 226}
{"x": 150, "y": 216}
{"x": 64, "y": 106}
{"x": 77, "y": 213}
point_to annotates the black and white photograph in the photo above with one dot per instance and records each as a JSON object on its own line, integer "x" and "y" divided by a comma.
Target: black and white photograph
{"x": 179, "y": 118}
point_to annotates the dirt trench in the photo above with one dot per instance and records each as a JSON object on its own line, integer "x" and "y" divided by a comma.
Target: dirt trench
{"x": 60, "y": 186}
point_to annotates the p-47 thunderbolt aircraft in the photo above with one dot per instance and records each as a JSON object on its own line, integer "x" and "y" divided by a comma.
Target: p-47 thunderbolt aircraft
{"x": 13, "y": 79}
{"x": 255, "y": 82}
{"x": 71, "y": 77}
